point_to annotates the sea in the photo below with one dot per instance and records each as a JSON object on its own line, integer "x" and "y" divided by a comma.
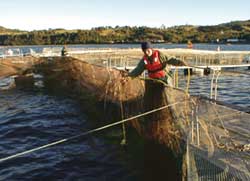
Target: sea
{"x": 39, "y": 48}
{"x": 33, "y": 118}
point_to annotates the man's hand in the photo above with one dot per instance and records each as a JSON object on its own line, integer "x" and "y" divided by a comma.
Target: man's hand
{"x": 124, "y": 73}
{"x": 124, "y": 77}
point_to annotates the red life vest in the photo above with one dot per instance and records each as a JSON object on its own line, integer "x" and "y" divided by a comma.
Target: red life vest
{"x": 155, "y": 69}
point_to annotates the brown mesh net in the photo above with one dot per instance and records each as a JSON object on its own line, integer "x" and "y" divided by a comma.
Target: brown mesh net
{"x": 215, "y": 138}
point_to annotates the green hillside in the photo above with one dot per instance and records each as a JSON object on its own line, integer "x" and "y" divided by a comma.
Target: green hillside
{"x": 236, "y": 31}
{"x": 6, "y": 31}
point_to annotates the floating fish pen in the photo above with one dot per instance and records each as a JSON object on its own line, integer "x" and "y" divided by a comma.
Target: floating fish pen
{"x": 200, "y": 139}
{"x": 130, "y": 57}
{"x": 192, "y": 129}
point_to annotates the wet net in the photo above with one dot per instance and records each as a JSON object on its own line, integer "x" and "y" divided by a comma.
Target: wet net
{"x": 213, "y": 139}
{"x": 217, "y": 139}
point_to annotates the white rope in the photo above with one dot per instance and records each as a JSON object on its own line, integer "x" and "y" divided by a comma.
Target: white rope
{"x": 86, "y": 133}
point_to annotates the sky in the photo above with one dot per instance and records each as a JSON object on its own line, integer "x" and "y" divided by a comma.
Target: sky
{"x": 86, "y": 14}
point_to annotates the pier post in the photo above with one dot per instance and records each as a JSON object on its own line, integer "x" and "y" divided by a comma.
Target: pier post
{"x": 188, "y": 69}
{"x": 207, "y": 71}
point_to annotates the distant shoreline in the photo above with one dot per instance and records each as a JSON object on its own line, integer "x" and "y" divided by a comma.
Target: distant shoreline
{"x": 236, "y": 32}
{"x": 135, "y": 43}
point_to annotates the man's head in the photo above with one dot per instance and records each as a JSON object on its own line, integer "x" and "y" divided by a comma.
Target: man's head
{"x": 147, "y": 48}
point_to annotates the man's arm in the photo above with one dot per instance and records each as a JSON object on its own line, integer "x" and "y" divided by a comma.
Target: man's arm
{"x": 138, "y": 69}
{"x": 165, "y": 59}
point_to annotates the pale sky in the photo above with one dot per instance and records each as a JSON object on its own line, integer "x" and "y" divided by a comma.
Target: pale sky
{"x": 85, "y": 14}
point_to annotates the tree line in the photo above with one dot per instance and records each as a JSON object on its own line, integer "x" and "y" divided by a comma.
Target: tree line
{"x": 222, "y": 33}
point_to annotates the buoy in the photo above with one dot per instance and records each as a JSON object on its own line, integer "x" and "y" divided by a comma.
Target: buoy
{"x": 189, "y": 44}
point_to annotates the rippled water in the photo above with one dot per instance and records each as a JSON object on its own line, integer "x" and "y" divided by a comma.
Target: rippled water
{"x": 32, "y": 119}
{"x": 233, "y": 88}
{"x": 29, "y": 119}
{"x": 199, "y": 46}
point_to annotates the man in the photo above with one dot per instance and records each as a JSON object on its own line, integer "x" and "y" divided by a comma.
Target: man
{"x": 155, "y": 125}
{"x": 64, "y": 51}
{"x": 155, "y": 63}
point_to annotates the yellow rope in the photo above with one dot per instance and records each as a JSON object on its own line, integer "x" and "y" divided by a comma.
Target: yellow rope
{"x": 188, "y": 81}
{"x": 124, "y": 140}
{"x": 155, "y": 80}
{"x": 176, "y": 78}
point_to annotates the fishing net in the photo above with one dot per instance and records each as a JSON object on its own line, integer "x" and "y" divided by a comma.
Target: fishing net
{"x": 213, "y": 139}
{"x": 15, "y": 65}
{"x": 219, "y": 138}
